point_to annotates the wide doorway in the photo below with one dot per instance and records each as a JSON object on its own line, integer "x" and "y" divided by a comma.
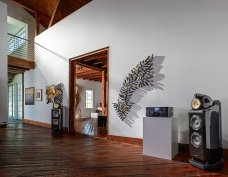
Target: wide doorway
{"x": 89, "y": 93}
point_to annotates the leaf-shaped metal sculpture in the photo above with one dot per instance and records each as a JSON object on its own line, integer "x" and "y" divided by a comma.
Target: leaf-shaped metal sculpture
{"x": 140, "y": 76}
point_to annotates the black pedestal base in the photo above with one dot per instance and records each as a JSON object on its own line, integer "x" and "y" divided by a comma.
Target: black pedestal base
{"x": 3, "y": 125}
{"x": 205, "y": 166}
{"x": 57, "y": 133}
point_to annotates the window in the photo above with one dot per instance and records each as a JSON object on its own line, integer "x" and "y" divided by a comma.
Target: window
{"x": 89, "y": 99}
{"x": 20, "y": 106}
{"x": 15, "y": 42}
{"x": 15, "y": 101}
{"x": 10, "y": 100}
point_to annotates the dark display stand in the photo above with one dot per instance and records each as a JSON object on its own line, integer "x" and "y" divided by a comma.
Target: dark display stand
{"x": 57, "y": 120}
{"x": 3, "y": 125}
{"x": 102, "y": 120}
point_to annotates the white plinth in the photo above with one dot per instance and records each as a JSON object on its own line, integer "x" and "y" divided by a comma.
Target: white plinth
{"x": 160, "y": 137}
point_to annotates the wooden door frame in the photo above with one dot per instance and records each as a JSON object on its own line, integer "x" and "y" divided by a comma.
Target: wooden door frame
{"x": 72, "y": 85}
{"x": 23, "y": 96}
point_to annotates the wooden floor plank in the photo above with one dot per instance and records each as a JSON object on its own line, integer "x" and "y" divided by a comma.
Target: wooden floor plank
{"x": 89, "y": 126}
{"x": 27, "y": 150}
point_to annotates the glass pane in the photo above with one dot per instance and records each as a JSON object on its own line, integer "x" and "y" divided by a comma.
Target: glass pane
{"x": 10, "y": 100}
{"x": 89, "y": 99}
{"x": 19, "y": 100}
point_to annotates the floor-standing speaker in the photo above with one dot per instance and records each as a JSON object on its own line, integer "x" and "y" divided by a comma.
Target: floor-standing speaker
{"x": 205, "y": 133}
{"x": 57, "y": 120}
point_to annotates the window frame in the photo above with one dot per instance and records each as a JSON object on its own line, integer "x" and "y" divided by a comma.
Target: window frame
{"x": 15, "y": 101}
{"x": 89, "y": 99}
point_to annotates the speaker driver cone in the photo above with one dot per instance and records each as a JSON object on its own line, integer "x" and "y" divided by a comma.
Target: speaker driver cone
{"x": 196, "y": 139}
{"x": 196, "y": 122}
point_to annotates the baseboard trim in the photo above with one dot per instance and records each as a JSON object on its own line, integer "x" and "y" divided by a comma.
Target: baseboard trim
{"x": 42, "y": 124}
{"x": 3, "y": 125}
{"x": 129, "y": 140}
{"x": 37, "y": 123}
{"x": 182, "y": 148}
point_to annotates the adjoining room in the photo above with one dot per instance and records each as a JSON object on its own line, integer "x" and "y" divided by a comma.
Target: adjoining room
{"x": 91, "y": 93}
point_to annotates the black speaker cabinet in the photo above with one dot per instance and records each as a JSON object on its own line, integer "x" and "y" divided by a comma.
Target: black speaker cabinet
{"x": 57, "y": 120}
{"x": 205, "y": 137}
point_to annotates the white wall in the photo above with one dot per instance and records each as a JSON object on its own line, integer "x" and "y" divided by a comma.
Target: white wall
{"x": 3, "y": 65}
{"x": 92, "y": 85}
{"x": 40, "y": 111}
{"x": 50, "y": 69}
{"x": 191, "y": 35}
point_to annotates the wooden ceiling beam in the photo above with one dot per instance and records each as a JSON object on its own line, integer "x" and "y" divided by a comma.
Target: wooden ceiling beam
{"x": 105, "y": 65}
{"x": 90, "y": 76}
{"x": 54, "y": 14}
{"x": 37, "y": 30}
{"x": 88, "y": 65}
{"x": 94, "y": 77}
{"x": 99, "y": 80}
{"x": 14, "y": 62}
{"x": 30, "y": 9}
{"x": 93, "y": 63}
{"x": 103, "y": 57}
{"x": 94, "y": 80}
{"x": 83, "y": 69}
{"x": 91, "y": 79}
{"x": 86, "y": 77}
{"x": 88, "y": 72}
{"x": 15, "y": 70}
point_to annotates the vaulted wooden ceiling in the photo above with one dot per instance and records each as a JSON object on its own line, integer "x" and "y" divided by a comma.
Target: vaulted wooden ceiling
{"x": 88, "y": 74}
{"x": 49, "y": 12}
{"x": 90, "y": 67}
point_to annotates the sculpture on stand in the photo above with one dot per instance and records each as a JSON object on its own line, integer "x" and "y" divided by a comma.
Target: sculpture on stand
{"x": 55, "y": 95}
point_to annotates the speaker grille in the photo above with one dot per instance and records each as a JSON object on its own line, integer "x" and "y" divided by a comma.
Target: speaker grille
{"x": 196, "y": 139}
{"x": 55, "y": 122}
{"x": 196, "y": 122}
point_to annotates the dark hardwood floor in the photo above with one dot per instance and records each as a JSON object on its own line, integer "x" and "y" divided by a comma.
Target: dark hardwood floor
{"x": 27, "y": 150}
{"x": 89, "y": 126}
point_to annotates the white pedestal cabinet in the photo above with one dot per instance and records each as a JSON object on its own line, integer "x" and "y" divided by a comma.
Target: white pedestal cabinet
{"x": 160, "y": 137}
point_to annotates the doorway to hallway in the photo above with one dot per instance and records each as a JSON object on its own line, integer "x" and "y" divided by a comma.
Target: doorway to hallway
{"x": 88, "y": 86}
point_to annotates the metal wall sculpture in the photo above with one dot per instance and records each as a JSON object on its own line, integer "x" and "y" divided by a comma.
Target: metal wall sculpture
{"x": 139, "y": 77}
{"x": 55, "y": 94}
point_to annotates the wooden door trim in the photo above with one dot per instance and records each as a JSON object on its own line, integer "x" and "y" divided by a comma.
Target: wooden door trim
{"x": 72, "y": 84}
{"x": 89, "y": 53}
{"x": 23, "y": 96}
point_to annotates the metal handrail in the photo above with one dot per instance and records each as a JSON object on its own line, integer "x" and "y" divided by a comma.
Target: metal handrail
{"x": 20, "y": 47}
{"x": 27, "y": 50}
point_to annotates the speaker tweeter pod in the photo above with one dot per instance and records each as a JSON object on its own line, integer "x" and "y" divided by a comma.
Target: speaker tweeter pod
{"x": 196, "y": 103}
